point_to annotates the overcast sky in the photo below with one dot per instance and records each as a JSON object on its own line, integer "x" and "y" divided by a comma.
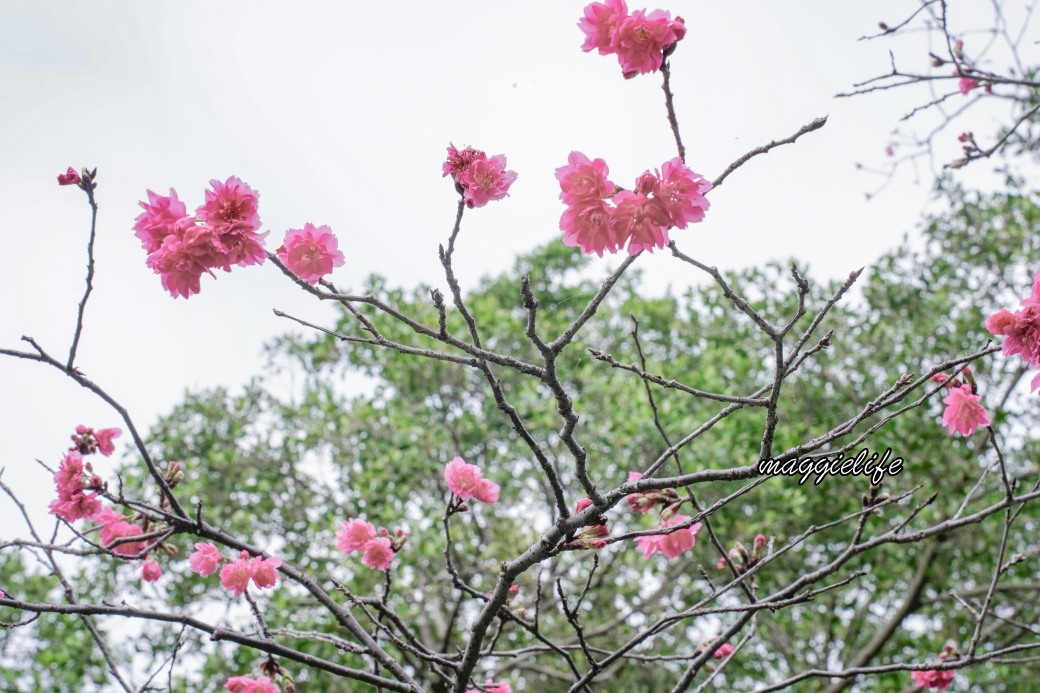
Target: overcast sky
{"x": 339, "y": 114}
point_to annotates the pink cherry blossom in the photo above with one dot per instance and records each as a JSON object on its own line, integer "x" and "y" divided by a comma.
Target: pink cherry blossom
{"x": 265, "y": 571}
{"x": 354, "y": 534}
{"x": 640, "y": 41}
{"x": 378, "y": 553}
{"x": 459, "y": 160}
{"x": 672, "y": 544}
{"x": 70, "y": 177}
{"x": 640, "y": 220}
{"x": 76, "y": 507}
{"x": 122, "y": 529}
{"x": 466, "y": 481}
{"x": 247, "y": 684}
{"x": 681, "y": 191}
{"x": 160, "y": 217}
{"x": 599, "y": 24}
{"x": 963, "y": 412}
{"x": 73, "y": 503}
{"x": 310, "y": 252}
{"x": 583, "y": 181}
{"x": 205, "y": 559}
{"x": 235, "y": 576}
{"x": 185, "y": 255}
{"x": 150, "y": 571}
{"x": 588, "y": 227}
{"x": 938, "y": 679}
{"x": 493, "y": 687}
{"x": 231, "y": 203}
{"x": 69, "y": 477}
{"x": 725, "y": 650}
{"x": 967, "y": 84}
{"x": 484, "y": 180}
{"x": 104, "y": 440}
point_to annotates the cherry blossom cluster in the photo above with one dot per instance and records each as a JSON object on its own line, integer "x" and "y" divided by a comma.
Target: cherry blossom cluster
{"x": 964, "y": 413}
{"x": 478, "y": 178}
{"x": 939, "y": 679}
{"x": 181, "y": 248}
{"x": 740, "y": 558}
{"x": 641, "y": 41}
{"x": 235, "y": 574}
{"x": 377, "y": 548}
{"x": 681, "y": 534}
{"x": 1021, "y": 330}
{"x": 467, "y": 481}
{"x": 724, "y": 650}
{"x": 602, "y": 217}
{"x": 75, "y": 477}
{"x": 223, "y": 233}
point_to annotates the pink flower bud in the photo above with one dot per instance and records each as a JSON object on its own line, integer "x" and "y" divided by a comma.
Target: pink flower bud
{"x": 70, "y": 177}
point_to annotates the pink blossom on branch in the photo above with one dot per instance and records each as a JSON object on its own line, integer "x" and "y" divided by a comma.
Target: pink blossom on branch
{"x": 205, "y": 559}
{"x": 588, "y": 227}
{"x": 583, "y": 181}
{"x": 235, "y": 576}
{"x": 70, "y": 177}
{"x": 672, "y": 544}
{"x": 187, "y": 253}
{"x": 484, "y": 180}
{"x": 641, "y": 39}
{"x": 939, "y": 679}
{"x": 725, "y": 650}
{"x": 467, "y": 481}
{"x": 150, "y": 571}
{"x": 459, "y": 160}
{"x": 104, "y": 440}
{"x": 643, "y": 221}
{"x": 231, "y": 203}
{"x": 682, "y": 191}
{"x": 378, "y": 553}
{"x": 600, "y": 23}
{"x": 247, "y": 684}
{"x": 963, "y": 412}
{"x": 310, "y": 252}
{"x": 160, "y": 216}
{"x": 354, "y": 534}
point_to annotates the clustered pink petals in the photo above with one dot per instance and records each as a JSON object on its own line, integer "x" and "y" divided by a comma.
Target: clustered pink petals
{"x": 640, "y": 40}
{"x": 72, "y": 483}
{"x": 598, "y": 219}
{"x": 247, "y": 684}
{"x": 310, "y": 252}
{"x": 182, "y": 248}
{"x": 939, "y": 679}
{"x": 725, "y": 650}
{"x": 70, "y": 177}
{"x": 150, "y": 571}
{"x": 115, "y": 526}
{"x": 481, "y": 179}
{"x": 493, "y": 687}
{"x": 673, "y": 543}
{"x": 467, "y": 481}
{"x": 377, "y": 549}
{"x": 235, "y": 576}
{"x": 644, "y": 501}
{"x": 89, "y": 441}
{"x": 963, "y": 412}
{"x": 1021, "y": 330}
{"x": 205, "y": 559}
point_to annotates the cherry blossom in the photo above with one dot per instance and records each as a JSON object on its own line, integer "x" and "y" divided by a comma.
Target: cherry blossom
{"x": 640, "y": 41}
{"x": 485, "y": 180}
{"x": 150, "y": 571}
{"x": 599, "y": 24}
{"x": 205, "y": 559}
{"x": 938, "y": 679}
{"x": 467, "y": 481}
{"x": 354, "y": 534}
{"x": 963, "y": 412}
{"x": 378, "y": 553}
{"x": 70, "y": 177}
{"x": 673, "y": 543}
{"x": 310, "y": 252}
{"x": 235, "y": 576}
{"x": 492, "y": 687}
{"x": 247, "y": 684}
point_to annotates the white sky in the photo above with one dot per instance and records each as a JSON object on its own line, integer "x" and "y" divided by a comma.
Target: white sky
{"x": 339, "y": 114}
